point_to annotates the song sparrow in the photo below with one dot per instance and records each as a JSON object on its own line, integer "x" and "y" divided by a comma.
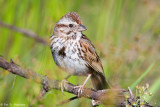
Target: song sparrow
{"x": 74, "y": 53}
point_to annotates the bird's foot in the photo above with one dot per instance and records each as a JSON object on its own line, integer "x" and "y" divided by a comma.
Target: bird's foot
{"x": 62, "y": 84}
{"x": 80, "y": 90}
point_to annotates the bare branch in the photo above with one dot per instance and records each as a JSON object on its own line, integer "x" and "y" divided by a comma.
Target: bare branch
{"x": 109, "y": 96}
{"x": 25, "y": 32}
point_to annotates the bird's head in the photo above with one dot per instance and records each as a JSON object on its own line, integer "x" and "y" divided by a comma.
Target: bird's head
{"x": 68, "y": 24}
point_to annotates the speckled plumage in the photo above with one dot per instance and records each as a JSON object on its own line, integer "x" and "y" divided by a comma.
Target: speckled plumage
{"x": 74, "y": 52}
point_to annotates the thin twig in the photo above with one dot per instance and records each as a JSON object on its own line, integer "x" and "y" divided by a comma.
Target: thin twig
{"x": 25, "y": 32}
{"x": 131, "y": 94}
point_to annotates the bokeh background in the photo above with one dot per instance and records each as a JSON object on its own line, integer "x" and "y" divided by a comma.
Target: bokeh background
{"x": 126, "y": 34}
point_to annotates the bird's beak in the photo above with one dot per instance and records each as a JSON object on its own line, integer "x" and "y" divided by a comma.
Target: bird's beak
{"x": 81, "y": 28}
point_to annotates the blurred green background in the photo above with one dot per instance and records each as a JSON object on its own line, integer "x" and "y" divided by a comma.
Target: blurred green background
{"x": 126, "y": 34}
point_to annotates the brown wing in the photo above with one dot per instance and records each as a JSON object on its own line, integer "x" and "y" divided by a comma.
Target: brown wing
{"x": 90, "y": 54}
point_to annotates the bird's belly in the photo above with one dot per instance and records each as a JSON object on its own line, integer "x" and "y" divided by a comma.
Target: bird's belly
{"x": 75, "y": 66}
{"x": 72, "y": 66}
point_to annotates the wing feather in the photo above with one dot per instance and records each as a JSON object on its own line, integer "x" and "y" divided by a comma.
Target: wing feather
{"x": 90, "y": 55}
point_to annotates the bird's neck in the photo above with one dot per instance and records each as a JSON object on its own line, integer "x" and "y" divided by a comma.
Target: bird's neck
{"x": 69, "y": 35}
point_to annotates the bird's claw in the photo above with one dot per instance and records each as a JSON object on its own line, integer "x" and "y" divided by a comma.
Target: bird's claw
{"x": 62, "y": 85}
{"x": 80, "y": 90}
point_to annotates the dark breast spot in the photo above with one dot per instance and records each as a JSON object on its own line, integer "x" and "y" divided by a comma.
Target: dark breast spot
{"x": 74, "y": 36}
{"x": 74, "y": 50}
{"x": 69, "y": 32}
{"x": 62, "y": 52}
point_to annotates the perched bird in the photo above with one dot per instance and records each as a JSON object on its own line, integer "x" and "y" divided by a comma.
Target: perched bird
{"x": 74, "y": 53}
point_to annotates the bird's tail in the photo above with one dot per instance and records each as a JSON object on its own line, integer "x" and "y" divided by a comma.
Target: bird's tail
{"x": 99, "y": 81}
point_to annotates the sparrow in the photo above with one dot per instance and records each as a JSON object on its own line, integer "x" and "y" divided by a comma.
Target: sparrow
{"x": 73, "y": 52}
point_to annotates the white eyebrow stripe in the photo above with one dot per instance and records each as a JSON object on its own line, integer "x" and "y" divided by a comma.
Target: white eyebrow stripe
{"x": 66, "y": 21}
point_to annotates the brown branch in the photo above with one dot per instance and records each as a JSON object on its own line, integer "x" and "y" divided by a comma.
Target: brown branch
{"x": 108, "y": 96}
{"x": 25, "y": 32}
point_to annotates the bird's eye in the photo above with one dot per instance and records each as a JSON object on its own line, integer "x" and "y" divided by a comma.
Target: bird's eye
{"x": 70, "y": 25}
